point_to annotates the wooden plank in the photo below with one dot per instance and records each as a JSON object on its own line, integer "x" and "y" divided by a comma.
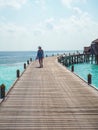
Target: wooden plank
{"x": 50, "y": 98}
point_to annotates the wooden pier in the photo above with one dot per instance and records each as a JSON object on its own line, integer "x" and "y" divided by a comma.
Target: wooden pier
{"x": 49, "y": 98}
{"x": 68, "y": 60}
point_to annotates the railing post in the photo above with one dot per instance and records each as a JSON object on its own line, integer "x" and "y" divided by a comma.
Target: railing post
{"x": 28, "y": 62}
{"x": 89, "y": 78}
{"x": 30, "y": 59}
{"x": 72, "y": 68}
{"x": 18, "y": 73}
{"x": 24, "y": 65}
{"x": 2, "y": 91}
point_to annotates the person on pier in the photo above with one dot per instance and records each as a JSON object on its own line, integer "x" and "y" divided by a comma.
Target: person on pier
{"x": 40, "y": 56}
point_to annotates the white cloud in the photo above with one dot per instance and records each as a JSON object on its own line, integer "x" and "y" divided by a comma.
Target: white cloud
{"x": 43, "y": 27}
{"x": 11, "y": 29}
{"x": 78, "y": 31}
{"x": 41, "y": 3}
{"x": 14, "y": 37}
{"x": 49, "y": 23}
{"x": 74, "y": 32}
{"x": 77, "y": 10}
{"x": 12, "y": 3}
{"x": 69, "y": 3}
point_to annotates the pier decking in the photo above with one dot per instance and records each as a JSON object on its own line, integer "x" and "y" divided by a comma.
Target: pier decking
{"x": 50, "y": 98}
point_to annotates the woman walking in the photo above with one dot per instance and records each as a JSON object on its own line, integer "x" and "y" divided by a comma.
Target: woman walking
{"x": 40, "y": 56}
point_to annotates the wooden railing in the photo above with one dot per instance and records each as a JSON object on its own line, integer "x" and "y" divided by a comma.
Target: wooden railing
{"x": 68, "y": 60}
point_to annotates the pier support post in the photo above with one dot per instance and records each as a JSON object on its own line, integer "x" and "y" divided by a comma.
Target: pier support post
{"x": 24, "y": 65}
{"x": 72, "y": 68}
{"x": 97, "y": 59}
{"x": 77, "y": 59}
{"x": 89, "y": 78}
{"x": 18, "y": 73}
{"x": 2, "y": 91}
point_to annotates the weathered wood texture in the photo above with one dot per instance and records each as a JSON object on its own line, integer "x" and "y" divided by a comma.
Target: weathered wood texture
{"x": 50, "y": 98}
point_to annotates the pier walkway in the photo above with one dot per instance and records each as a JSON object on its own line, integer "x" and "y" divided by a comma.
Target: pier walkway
{"x": 49, "y": 98}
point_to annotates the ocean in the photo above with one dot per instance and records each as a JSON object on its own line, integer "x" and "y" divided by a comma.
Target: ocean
{"x": 83, "y": 69}
{"x": 11, "y": 61}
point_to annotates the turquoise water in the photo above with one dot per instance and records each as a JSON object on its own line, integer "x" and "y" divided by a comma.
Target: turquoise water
{"x": 8, "y": 74}
{"x": 84, "y": 69}
{"x": 11, "y": 61}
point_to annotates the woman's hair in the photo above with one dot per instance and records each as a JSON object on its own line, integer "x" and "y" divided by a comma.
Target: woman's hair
{"x": 39, "y": 47}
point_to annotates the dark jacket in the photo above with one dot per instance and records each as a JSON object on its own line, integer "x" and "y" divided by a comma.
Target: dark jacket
{"x": 40, "y": 54}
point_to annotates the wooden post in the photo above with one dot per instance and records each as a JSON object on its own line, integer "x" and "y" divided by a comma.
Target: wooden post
{"x": 92, "y": 59}
{"x": 24, "y": 65}
{"x": 89, "y": 78}
{"x": 77, "y": 59}
{"x": 72, "y": 68}
{"x": 72, "y": 59}
{"x": 30, "y": 59}
{"x": 84, "y": 58}
{"x": 97, "y": 59}
{"x": 28, "y": 62}
{"x": 2, "y": 91}
{"x": 18, "y": 73}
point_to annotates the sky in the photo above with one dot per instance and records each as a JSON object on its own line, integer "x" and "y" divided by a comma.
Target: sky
{"x": 52, "y": 24}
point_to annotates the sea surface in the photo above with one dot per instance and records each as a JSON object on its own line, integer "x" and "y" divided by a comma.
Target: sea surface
{"x": 83, "y": 69}
{"x": 11, "y": 61}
